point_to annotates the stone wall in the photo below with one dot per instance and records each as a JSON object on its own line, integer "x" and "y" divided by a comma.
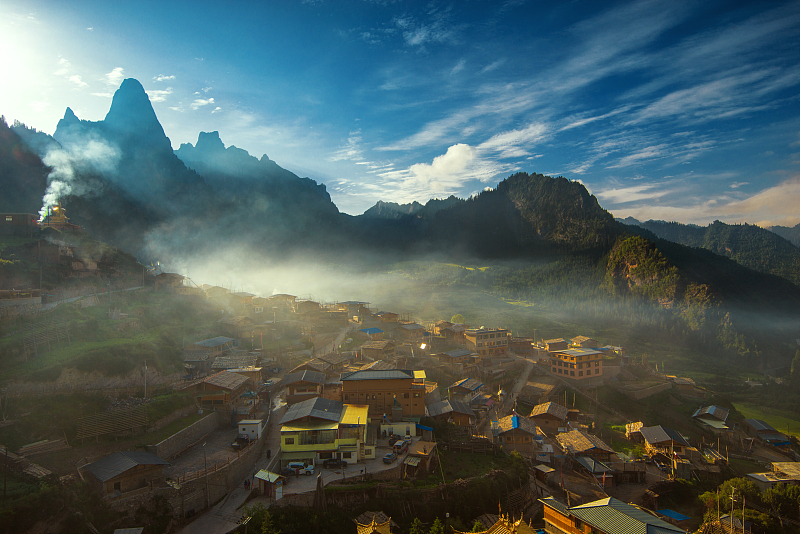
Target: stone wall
{"x": 639, "y": 394}
{"x": 186, "y": 437}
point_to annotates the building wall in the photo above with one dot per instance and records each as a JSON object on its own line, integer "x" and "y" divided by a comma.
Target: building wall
{"x": 556, "y": 523}
{"x": 548, "y": 422}
{"x": 517, "y": 440}
{"x": 178, "y": 441}
{"x": 379, "y": 396}
{"x": 137, "y": 477}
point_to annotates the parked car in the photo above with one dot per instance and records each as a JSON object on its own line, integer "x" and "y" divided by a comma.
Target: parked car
{"x": 400, "y": 447}
{"x": 408, "y": 439}
{"x": 389, "y": 458}
{"x": 240, "y": 442}
{"x": 301, "y": 469}
{"x": 287, "y": 472}
{"x": 268, "y": 383}
{"x": 394, "y": 438}
{"x": 334, "y": 462}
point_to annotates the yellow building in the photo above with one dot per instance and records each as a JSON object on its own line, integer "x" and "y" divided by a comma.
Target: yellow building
{"x": 321, "y": 429}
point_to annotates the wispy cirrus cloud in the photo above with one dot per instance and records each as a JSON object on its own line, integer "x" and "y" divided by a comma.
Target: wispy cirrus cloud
{"x": 163, "y": 78}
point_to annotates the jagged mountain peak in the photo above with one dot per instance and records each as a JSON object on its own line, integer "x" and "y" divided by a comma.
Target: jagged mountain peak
{"x": 131, "y": 113}
{"x": 210, "y": 142}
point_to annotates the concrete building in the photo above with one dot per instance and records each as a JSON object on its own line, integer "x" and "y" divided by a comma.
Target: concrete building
{"x": 488, "y": 342}
{"x": 379, "y": 389}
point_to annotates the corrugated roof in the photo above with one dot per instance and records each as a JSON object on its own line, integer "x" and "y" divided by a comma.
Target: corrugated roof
{"x": 215, "y": 341}
{"x": 377, "y": 344}
{"x": 372, "y": 331}
{"x": 227, "y": 380}
{"x": 613, "y": 516}
{"x": 318, "y": 407}
{"x": 420, "y": 374}
{"x": 237, "y": 361}
{"x": 470, "y": 384}
{"x": 448, "y": 406}
{"x": 579, "y": 352}
{"x": 593, "y": 466}
{"x": 660, "y": 434}
{"x": 412, "y": 326}
{"x": 312, "y": 377}
{"x": 354, "y": 414}
{"x": 759, "y": 426}
{"x": 301, "y": 426}
{"x": 377, "y": 365}
{"x": 388, "y": 374}
{"x": 269, "y": 476}
{"x": 119, "y": 462}
{"x": 550, "y": 408}
{"x": 334, "y": 358}
{"x": 717, "y": 412}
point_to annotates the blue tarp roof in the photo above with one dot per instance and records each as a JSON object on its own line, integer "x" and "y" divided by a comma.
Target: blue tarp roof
{"x": 370, "y": 331}
{"x": 429, "y": 429}
{"x": 673, "y": 514}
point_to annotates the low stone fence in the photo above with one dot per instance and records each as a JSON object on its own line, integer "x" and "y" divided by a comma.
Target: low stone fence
{"x": 186, "y": 437}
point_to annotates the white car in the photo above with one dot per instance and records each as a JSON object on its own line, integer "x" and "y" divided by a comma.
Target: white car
{"x": 301, "y": 469}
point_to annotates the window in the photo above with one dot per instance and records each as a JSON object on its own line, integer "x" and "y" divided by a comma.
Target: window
{"x": 405, "y": 395}
{"x": 9, "y": 218}
{"x": 346, "y": 396}
{"x": 347, "y": 455}
{"x": 373, "y": 397}
{"x": 572, "y": 373}
{"x": 117, "y": 485}
{"x": 597, "y": 364}
{"x": 325, "y": 455}
{"x": 554, "y": 369}
{"x": 289, "y": 441}
{"x": 416, "y": 395}
{"x": 580, "y": 373}
{"x": 258, "y": 309}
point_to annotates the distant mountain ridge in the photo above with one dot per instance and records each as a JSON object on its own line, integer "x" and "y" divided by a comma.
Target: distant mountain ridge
{"x": 750, "y": 245}
{"x": 792, "y": 233}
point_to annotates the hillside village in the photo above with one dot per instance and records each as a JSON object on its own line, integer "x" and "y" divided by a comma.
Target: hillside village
{"x": 292, "y": 402}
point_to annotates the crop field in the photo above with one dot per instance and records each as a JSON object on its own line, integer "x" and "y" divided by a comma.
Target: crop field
{"x": 782, "y": 421}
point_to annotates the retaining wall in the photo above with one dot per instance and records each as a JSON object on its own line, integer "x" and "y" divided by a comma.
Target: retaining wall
{"x": 639, "y": 394}
{"x": 184, "y": 438}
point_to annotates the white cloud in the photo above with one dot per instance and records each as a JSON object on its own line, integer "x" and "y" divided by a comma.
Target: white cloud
{"x": 514, "y": 143}
{"x": 63, "y": 67}
{"x": 77, "y": 81}
{"x": 115, "y": 77}
{"x": 91, "y": 29}
{"x": 159, "y": 95}
{"x": 217, "y": 109}
{"x": 458, "y": 67}
{"x": 104, "y": 95}
{"x": 635, "y": 193}
{"x": 200, "y": 102}
{"x": 350, "y": 150}
{"x": 163, "y": 78}
{"x": 206, "y": 89}
{"x": 492, "y": 66}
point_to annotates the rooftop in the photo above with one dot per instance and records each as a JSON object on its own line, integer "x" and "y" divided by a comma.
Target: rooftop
{"x": 470, "y": 384}
{"x": 759, "y": 426}
{"x": 120, "y": 462}
{"x": 550, "y": 408}
{"x": 313, "y": 377}
{"x": 660, "y": 434}
{"x": 717, "y": 412}
{"x": 578, "y": 441}
{"x": 215, "y": 342}
{"x": 386, "y": 374}
{"x": 318, "y": 407}
{"x": 226, "y": 380}
{"x": 511, "y": 422}
{"x": 614, "y": 517}
{"x": 449, "y": 406}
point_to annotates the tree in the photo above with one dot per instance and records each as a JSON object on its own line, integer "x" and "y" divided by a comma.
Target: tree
{"x": 796, "y": 366}
{"x": 457, "y": 319}
{"x": 437, "y": 527}
{"x": 478, "y": 527}
{"x": 416, "y": 527}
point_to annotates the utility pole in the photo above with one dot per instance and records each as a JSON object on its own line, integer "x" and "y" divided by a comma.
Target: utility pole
{"x": 145, "y": 379}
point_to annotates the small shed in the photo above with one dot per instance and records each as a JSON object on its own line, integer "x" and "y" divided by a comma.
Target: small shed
{"x": 543, "y": 473}
{"x": 251, "y": 428}
{"x": 124, "y": 471}
{"x": 270, "y": 484}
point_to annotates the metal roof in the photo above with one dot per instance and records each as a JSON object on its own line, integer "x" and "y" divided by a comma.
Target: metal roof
{"x": 120, "y": 462}
{"x": 613, "y": 516}
{"x": 269, "y": 476}
{"x": 387, "y": 374}
{"x": 377, "y": 344}
{"x": 672, "y": 514}
{"x": 354, "y": 414}
{"x": 316, "y": 407}
{"x": 660, "y": 434}
{"x": 511, "y": 422}
{"x": 313, "y": 377}
{"x": 593, "y": 466}
{"x": 302, "y": 426}
{"x": 468, "y": 383}
{"x": 215, "y": 341}
{"x": 448, "y": 406}
{"x": 759, "y": 426}
{"x": 717, "y": 412}
{"x": 412, "y": 326}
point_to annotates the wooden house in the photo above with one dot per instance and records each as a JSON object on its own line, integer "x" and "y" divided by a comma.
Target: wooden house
{"x": 303, "y": 385}
{"x": 452, "y": 411}
{"x": 420, "y": 457}
{"x": 374, "y": 333}
{"x": 168, "y": 281}
{"x": 19, "y": 224}
{"x": 238, "y": 327}
{"x": 552, "y": 345}
{"x": 378, "y": 350}
{"x": 455, "y": 333}
{"x": 549, "y": 416}
{"x": 517, "y": 433}
{"x": 387, "y": 317}
{"x": 579, "y": 443}
{"x": 411, "y": 332}
{"x": 584, "y": 342}
{"x": 270, "y": 484}
{"x": 378, "y": 389}
{"x": 223, "y": 389}
{"x": 465, "y": 389}
{"x": 123, "y": 472}
{"x": 608, "y": 515}
{"x": 201, "y": 355}
{"x": 664, "y": 441}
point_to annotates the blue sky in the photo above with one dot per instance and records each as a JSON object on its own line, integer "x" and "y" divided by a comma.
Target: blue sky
{"x": 681, "y": 111}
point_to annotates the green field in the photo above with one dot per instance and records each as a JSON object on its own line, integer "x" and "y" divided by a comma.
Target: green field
{"x": 782, "y": 421}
